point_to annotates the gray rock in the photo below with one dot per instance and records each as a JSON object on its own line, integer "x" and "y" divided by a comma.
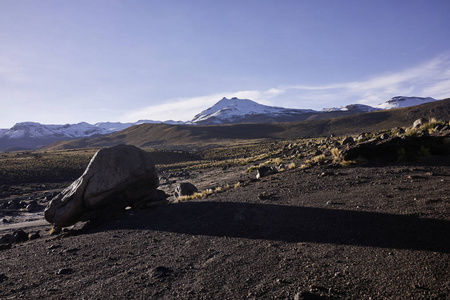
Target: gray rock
{"x": 20, "y": 236}
{"x": 33, "y": 206}
{"x": 185, "y": 189}
{"x": 384, "y": 136}
{"x": 348, "y": 141}
{"x": 265, "y": 171}
{"x": 64, "y": 271}
{"x": 115, "y": 178}
{"x": 419, "y": 122}
{"x": 33, "y": 236}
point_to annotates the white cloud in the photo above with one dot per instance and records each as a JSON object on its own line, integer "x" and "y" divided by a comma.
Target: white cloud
{"x": 429, "y": 79}
{"x": 185, "y": 109}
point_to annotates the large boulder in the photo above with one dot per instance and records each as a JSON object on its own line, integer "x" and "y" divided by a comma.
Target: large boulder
{"x": 115, "y": 178}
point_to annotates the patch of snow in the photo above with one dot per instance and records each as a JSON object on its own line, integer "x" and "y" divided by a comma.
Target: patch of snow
{"x": 352, "y": 107}
{"x": 228, "y": 109}
{"x": 402, "y": 101}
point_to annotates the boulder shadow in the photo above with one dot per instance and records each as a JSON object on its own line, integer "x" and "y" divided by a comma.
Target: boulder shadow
{"x": 294, "y": 224}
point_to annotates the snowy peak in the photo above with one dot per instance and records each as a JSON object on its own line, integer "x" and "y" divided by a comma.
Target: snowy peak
{"x": 70, "y": 131}
{"x": 402, "y": 101}
{"x": 234, "y": 109}
{"x": 352, "y": 108}
{"x": 37, "y": 130}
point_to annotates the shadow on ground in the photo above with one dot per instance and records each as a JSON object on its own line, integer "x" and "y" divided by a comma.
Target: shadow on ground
{"x": 293, "y": 224}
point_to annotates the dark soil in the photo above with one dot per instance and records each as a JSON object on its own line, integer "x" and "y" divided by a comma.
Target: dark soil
{"x": 346, "y": 233}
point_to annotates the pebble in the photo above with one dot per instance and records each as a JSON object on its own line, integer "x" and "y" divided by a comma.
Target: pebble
{"x": 161, "y": 272}
{"x": 64, "y": 271}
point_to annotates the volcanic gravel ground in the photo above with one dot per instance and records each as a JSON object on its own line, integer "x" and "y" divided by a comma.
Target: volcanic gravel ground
{"x": 347, "y": 233}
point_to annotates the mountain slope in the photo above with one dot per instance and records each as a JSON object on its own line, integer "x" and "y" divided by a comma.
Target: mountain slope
{"x": 236, "y": 110}
{"x": 201, "y": 136}
{"x": 29, "y": 135}
{"x": 402, "y": 101}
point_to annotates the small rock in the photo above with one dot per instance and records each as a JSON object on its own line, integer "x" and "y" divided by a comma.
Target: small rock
{"x": 264, "y": 196}
{"x": 33, "y": 236}
{"x": 348, "y": 141}
{"x": 52, "y": 247}
{"x": 64, "y": 271}
{"x": 384, "y": 136}
{"x": 265, "y": 171}
{"x": 32, "y": 207}
{"x": 185, "y": 189}
{"x": 5, "y": 246}
{"x": 55, "y": 230}
{"x": 323, "y": 174}
{"x": 161, "y": 272}
{"x": 419, "y": 122}
{"x": 7, "y": 239}
{"x": 307, "y": 296}
{"x": 20, "y": 236}
{"x": 3, "y": 278}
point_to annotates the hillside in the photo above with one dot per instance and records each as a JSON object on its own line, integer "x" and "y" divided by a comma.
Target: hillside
{"x": 199, "y": 137}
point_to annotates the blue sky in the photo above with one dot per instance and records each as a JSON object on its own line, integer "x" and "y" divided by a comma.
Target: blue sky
{"x": 67, "y": 61}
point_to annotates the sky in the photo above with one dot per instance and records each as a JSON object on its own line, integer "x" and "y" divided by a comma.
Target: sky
{"x": 64, "y": 61}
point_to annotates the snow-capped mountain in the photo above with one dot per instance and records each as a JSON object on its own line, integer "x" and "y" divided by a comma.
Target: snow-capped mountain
{"x": 241, "y": 110}
{"x": 83, "y": 129}
{"x": 352, "y": 107}
{"x": 29, "y": 135}
{"x": 402, "y": 101}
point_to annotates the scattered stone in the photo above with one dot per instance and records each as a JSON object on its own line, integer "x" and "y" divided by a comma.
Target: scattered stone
{"x": 33, "y": 236}
{"x": 185, "y": 189}
{"x": 3, "y": 278}
{"x": 20, "y": 236}
{"x": 438, "y": 128}
{"x": 419, "y": 122}
{"x": 115, "y": 178}
{"x": 265, "y": 171}
{"x": 264, "y": 196}
{"x": 7, "y": 239}
{"x": 5, "y": 246}
{"x": 397, "y": 148}
{"x": 384, "y": 136}
{"x": 323, "y": 174}
{"x": 401, "y": 131}
{"x": 64, "y": 271}
{"x": 361, "y": 136}
{"x": 52, "y": 247}
{"x": 348, "y": 141}
{"x": 161, "y": 272}
{"x": 305, "y": 295}
{"x": 33, "y": 206}
{"x": 55, "y": 230}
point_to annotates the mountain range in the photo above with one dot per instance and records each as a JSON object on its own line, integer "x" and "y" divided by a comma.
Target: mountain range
{"x": 31, "y": 135}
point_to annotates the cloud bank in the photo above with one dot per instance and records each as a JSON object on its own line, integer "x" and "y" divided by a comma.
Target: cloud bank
{"x": 429, "y": 79}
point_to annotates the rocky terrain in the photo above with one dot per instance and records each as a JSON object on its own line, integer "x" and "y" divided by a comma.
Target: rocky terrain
{"x": 320, "y": 230}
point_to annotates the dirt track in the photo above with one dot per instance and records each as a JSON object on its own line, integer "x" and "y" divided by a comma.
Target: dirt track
{"x": 358, "y": 233}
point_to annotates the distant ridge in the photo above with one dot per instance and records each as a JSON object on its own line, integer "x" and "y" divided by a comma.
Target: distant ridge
{"x": 201, "y": 136}
{"x": 31, "y": 135}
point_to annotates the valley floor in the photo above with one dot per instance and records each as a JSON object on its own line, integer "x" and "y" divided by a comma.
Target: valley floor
{"x": 344, "y": 233}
